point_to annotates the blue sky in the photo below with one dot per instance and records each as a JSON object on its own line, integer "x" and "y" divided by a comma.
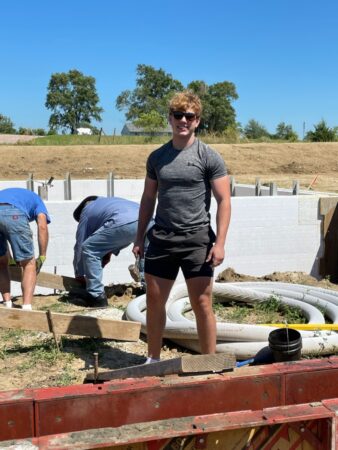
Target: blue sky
{"x": 282, "y": 55}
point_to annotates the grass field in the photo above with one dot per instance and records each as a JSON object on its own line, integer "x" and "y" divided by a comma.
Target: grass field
{"x": 130, "y": 140}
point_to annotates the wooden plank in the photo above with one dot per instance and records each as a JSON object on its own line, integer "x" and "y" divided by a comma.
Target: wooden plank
{"x": 327, "y": 221}
{"x": 329, "y": 262}
{"x": 48, "y": 280}
{"x": 183, "y": 365}
{"x": 74, "y": 324}
{"x": 327, "y": 203}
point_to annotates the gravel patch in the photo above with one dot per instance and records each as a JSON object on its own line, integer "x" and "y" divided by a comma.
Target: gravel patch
{"x": 105, "y": 313}
{"x": 15, "y": 138}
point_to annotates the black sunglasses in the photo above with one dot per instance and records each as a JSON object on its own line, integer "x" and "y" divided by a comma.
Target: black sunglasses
{"x": 188, "y": 115}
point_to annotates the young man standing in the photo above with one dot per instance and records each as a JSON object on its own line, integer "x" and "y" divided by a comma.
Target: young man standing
{"x": 183, "y": 173}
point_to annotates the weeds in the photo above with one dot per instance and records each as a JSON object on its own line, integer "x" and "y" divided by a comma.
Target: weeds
{"x": 12, "y": 335}
{"x": 46, "y": 354}
{"x": 232, "y": 312}
{"x": 57, "y": 307}
{"x": 273, "y": 305}
{"x": 271, "y": 310}
{"x": 65, "y": 379}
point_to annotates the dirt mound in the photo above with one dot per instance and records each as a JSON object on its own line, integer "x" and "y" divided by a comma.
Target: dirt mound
{"x": 271, "y": 162}
{"x": 229, "y": 275}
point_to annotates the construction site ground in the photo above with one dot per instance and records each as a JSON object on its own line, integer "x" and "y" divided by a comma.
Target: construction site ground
{"x": 30, "y": 359}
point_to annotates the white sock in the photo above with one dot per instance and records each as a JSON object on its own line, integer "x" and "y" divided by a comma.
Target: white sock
{"x": 27, "y": 307}
{"x": 152, "y": 360}
{"x": 8, "y": 304}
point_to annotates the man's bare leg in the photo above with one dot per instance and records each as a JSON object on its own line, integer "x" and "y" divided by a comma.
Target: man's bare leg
{"x": 200, "y": 294}
{"x": 158, "y": 290}
{"x": 28, "y": 280}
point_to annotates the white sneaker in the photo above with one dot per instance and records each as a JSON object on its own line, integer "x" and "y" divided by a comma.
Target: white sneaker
{"x": 27, "y": 307}
{"x": 151, "y": 360}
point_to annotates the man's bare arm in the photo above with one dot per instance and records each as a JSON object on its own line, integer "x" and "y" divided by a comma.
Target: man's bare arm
{"x": 221, "y": 190}
{"x": 146, "y": 212}
{"x": 42, "y": 233}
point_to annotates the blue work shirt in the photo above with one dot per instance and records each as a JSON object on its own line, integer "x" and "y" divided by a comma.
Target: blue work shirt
{"x": 27, "y": 201}
{"x": 115, "y": 210}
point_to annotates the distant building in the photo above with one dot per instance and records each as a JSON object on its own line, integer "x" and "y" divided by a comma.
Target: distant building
{"x": 84, "y": 131}
{"x": 130, "y": 129}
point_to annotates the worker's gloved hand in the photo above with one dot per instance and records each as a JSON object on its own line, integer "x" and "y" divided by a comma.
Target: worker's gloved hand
{"x": 12, "y": 262}
{"x": 81, "y": 279}
{"x": 106, "y": 259}
{"x": 39, "y": 262}
{"x": 134, "y": 270}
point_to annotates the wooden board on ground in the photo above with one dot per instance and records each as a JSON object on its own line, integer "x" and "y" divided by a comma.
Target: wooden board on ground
{"x": 329, "y": 262}
{"x": 183, "y": 365}
{"x": 74, "y": 324}
{"x": 48, "y": 280}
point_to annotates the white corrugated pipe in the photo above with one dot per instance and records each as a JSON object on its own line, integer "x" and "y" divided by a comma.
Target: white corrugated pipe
{"x": 242, "y": 339}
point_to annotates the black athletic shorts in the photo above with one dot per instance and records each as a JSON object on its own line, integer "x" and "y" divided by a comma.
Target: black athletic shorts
{"x": 169, "y": 251}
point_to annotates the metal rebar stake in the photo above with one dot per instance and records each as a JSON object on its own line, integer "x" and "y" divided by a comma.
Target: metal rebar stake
{"x": 96, "y": 366}
{"x": 52, "y": 329}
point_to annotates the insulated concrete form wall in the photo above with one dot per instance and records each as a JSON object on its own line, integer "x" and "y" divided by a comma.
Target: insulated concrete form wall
{"x": 266, "y": 234}
{"x": 69, "y": 189}
{"x": 132, "y": 187}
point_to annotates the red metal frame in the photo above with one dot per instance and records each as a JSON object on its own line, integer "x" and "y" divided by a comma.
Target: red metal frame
{"x": 249, "y": 396}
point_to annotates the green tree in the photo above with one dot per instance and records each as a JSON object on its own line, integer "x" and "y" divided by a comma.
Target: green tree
{"x": 26, "y": 131}
{"x": 153, "y": 90}
{"x": 285, "y": 132}
{"x": 155, "y": 87}
{"x": 218, "y": 113}
{"x": 6, "y": 125}
{"x": 255, "y": 130}
{"x": 39, "y": 132}
{"x": 73, "y": 99}
{"x": 221, "y": 113}
{"x": 151, "y": 122}
{"x": 322, "y": 133}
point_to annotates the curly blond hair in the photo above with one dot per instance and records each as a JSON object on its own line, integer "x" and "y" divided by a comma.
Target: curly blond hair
{"x": 184, "y": 101}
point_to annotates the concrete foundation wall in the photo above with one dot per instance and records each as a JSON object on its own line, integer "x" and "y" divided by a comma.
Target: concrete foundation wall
{"x": 266, "y": 234}
{"x": 81, "y": 188}
{"x": 132, "y": 188}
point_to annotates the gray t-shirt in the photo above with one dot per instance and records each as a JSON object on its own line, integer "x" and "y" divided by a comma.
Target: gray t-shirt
{"x": 184, "y": 190}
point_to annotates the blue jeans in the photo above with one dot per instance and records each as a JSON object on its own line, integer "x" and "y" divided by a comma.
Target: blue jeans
{"x": 15, "y": 228}
{"x": 106, "y": 239}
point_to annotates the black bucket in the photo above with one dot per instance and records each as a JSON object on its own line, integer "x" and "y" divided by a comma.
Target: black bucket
{"x": 285, "y": 344}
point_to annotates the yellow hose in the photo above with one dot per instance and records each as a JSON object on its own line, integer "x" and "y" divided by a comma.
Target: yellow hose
{"x": 303, "y": 326}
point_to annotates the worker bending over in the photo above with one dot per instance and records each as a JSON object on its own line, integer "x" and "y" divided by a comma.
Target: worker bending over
{"x": 19, "y": 207}
{"x": 106, "y": 226}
